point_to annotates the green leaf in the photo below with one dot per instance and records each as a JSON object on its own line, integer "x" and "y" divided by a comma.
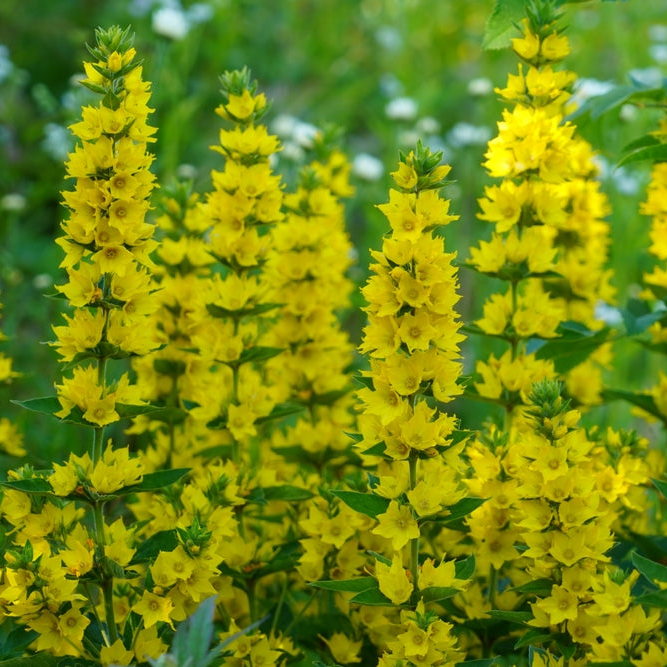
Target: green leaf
{"x": 481, "y": 662}
{"x": 372, "y": 597}
{"x": 14, "y": 641}
{"x": 534, "y": 636}
{"x": 280, "y": 411}
{"x": 193, "y": 636}
{"x": 148, "y": 550}
{"x": 575, "y": 344}
{"x": 651, "y": 570}
{"x": 465, "y": 568}
{"x": 653, "y": 153}
{"x": 259, "y": 353}
{"x": 33, "y": 485}
{"x": 365, "y": 503}
{"x": 538, "y": 586}
{"x": 661, "y": 485}
{"x": 643, "y": 401}
{"x": 154, "y": 481}
{"x": 502, "y": 24}
{"x": 435, "y": 593}
{"x": 378, "y": 449}
{"x": 461, "y": 510}
{"x": 657, "y": 599}
{"x": 127, "y": 411}
{"x": 520, "y": 617}
{"x": 640, "y": 142}
{"x": 46, "y": 405}
{"x": 286, "y": 492}
{"x": 638, "y": 317}
{"x": 346, "y": 585}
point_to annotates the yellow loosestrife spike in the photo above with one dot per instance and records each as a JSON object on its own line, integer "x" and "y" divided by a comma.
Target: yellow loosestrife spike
{"x": 106, "y": 238}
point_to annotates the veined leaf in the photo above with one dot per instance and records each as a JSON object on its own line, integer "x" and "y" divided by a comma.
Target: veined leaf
{"x": 371, "y": 596}
{"x": 154, "y": 481}
{"x": 656, "y": 153}
{"x": 465, "y": 568}
{"x": 286, "y": 492}
{"x": 661, "y": 485}
{"x": 501, "y": 26}
{"x": 481, "y": 662}
{"x": 165, "y": 540}
{"x": 33, "y": 485}
{"x": 435, "y": 593}
{"x": 520, "y": 617}
{"x": 573, "y": 347}
{"x": 365, "y": 503}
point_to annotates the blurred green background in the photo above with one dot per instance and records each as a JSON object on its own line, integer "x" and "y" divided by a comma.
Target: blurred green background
{"x": 386, "y": 72}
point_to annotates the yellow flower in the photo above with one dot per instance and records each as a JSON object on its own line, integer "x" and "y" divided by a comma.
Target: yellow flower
{"x": 397, "y": 524}
{"x": 153, "y": 609}
{"x": 342, "y": 648}
{"x": 393, "y": 580}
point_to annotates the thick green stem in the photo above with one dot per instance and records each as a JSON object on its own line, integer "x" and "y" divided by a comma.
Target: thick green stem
{"x": 106, "y": 577}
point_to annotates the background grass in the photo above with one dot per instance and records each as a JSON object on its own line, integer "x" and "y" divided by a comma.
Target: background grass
{"x": 322, "y": 62}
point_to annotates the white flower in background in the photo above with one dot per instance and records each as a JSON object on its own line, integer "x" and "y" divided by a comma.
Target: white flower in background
{"x": 388, "y": 38}
{"x": 651, "y": 77}
{"x": 367, "y": 167}
{"x": 42, "y": 281}
{"x": 14, "y": 201}
{"x": 585, "y": 88}
{"x": 292, "y": 151}
{"x": 466, "y": 134}
{"x": 171, "y": 22}
{"x": 198, "y": 13}
{"x": 658, "y": 52}
{"x": 480, "y": 86}
{"x": 608, "y": 314}
{"x": 408, "y": 137}
{"x": 186, "y": 172}
{"x": 657, "y": 32}
{"x": 304, "y": 134}
{"x": 628, "y": 112}
{"x": 427, "y": 125}
{"x": 283, "y": 125}
{"x": 401, "y": 108}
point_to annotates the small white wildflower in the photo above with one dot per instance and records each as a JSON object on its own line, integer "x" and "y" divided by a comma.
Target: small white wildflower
{"x": 171, "y": 22}
{"x": 401, "y": 108}
{"x": 367, "y": 167}
{"x": 657, "y": 32}
{"x": 292, "y": 151}
{"x": 42, "y": 281}
{"x": 186, "y": 172}
{"x": 14, "y": 201}
{"x": 658, "y": 52}
{"x": 651, "y": 77}
{"x": 389, "y": 38}
{"x": 466, "y": 134}
{"x": 628, "y": 112}
{"x": 283, "y": 125}
{"x": 627, "y": 183}
{"x": 427, "y": 125}
{"x": 480, "y": 86}
{"x": 608, "y": 314}
{"x": 198, "y": 13}
{"x": 304, "y": 134}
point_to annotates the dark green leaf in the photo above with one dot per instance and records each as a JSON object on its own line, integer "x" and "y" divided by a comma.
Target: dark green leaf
{"x": 372, "y": 596}
{"x": 286, "y": 492}
{"x": 573, "y": 347}
{"x": 148, "y": 550}
{"x": 33, "y": 485}
{"x": 347, "y": 585}
{"x": 643, "y": 401}
{"x": 520, "y": 617}
{"x": 127, "y": 411}
{"x": 435, "y": 593}
{"x": 280, "y": 411}
{"x": 481, "y": 662}
{"x": 640, "y": 142}
{"x": 638, "y": 317}
{"x": 461, "y": 509}
{"x": 534, "y": 636}
{"x": 501, "y": 25}
{"x": 154, "y": 481}
{"x": 46, "y": 405}
{"x": 465, "y": 568}
{"x": 538, "y": 586}
{"x": 657, "y": 599}
{"x": 259, "y": 353}
{"x": 366, "y": 503}
{"x": 661, "y": 485}
{"x": 651, "y": 570}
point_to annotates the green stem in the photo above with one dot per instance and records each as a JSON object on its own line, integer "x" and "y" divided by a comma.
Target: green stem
{"x": 98, "y": 437}
{"x": 414, "y": 542}
{"x": 106, "y": 577}
{"x": 493, "y": 584}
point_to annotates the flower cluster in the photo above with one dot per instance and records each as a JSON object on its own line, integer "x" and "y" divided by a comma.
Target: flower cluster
{"x": 11, "y": 438}
{"x": 106, "y": 238}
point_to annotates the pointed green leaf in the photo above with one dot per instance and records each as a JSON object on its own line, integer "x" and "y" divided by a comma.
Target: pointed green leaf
{"x": 33, "y": 485}
{"x": 573, "y": 347}
{"x": 259, "y": 353}
{"x": 661, "y": 485}
{"x": 127, "y": 411}
{"x": 520, "y": 617}
{"x": 47, "y": 405}
{"x": 372, "y": 596}
{"x": 435, "y": 593}
{"x": 280, "y": 411}
{"x": 538, "y": 586}
{"x": 534, "y": 636}
{"x": 193, "y": 636}
{"x": 365, "y": 503}
{"x": 465, "y": 568}
{"x": 653, "y": 153}
{"x": 346, "y": 585}
{"x": 154, "y": 481}
{"x": 651, "y": 570}
{"x": 461, "y": 509}
{"x": 481, "y": 662}
{"x": 501, "y": 26}
{"x": 657, "y": 599}
{"x": 148, "y": 550}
